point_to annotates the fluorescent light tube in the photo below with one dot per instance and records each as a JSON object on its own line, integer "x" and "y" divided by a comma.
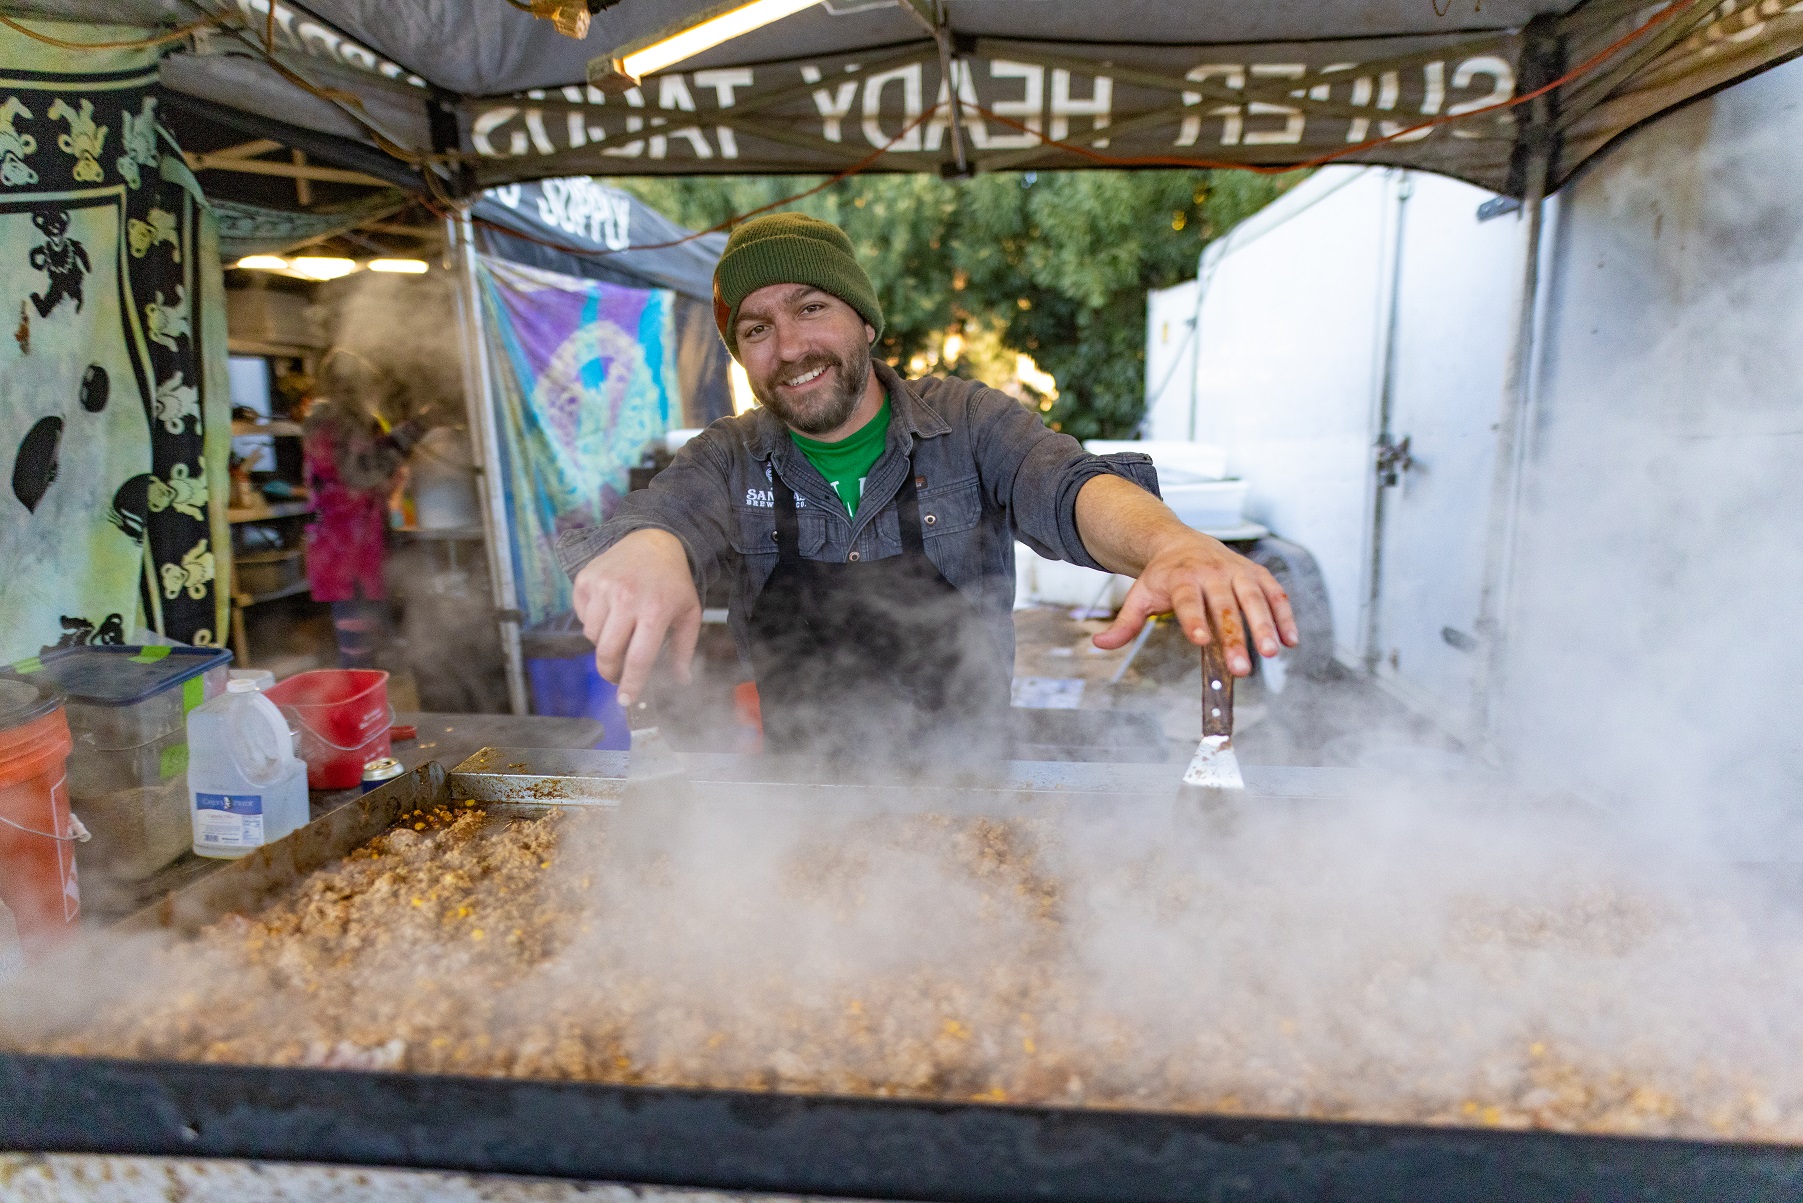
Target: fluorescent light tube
{"x": 322, "y": 267}
{"x": 723, "y": 27}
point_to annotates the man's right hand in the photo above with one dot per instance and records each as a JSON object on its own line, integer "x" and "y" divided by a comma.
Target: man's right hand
{"x": 630, "y": 598}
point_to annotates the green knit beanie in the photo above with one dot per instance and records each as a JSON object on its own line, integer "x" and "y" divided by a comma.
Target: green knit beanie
{"x": 789, "y": 248}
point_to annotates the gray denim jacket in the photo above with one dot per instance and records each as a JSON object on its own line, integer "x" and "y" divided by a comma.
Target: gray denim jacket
{"x": 993, "y": 474}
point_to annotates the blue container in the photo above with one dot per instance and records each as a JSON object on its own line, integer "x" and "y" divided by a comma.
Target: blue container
{"x": 560, "y": 669}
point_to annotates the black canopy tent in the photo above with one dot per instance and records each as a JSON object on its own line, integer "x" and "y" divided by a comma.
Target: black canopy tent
{"x": 453, "y": 97}
{"x": 456, "y": 96}
{"x": 1041, "y": 85}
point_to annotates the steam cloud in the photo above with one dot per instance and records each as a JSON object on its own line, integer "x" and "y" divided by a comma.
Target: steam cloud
{"x": 1411, "y": 957}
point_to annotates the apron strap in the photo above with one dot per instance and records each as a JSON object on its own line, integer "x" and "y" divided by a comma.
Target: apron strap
{"x": 788, "y": 525}
{"x": 907, "y": 514}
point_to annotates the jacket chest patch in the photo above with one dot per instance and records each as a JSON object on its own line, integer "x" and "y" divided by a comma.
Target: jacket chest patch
{"x": 765, "y": 499}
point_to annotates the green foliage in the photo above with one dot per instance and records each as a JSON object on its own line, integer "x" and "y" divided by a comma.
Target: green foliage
{"x": 1058, "y": 263}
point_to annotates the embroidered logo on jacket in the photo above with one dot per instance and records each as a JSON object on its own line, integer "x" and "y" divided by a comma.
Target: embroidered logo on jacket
{"x": 766, "y": 499}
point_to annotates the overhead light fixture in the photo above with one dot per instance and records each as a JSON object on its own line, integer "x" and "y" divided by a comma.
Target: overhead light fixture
{"x": 403, "y": 267}
{"x": 722, "y": 23}
{"x": 569, "y": 16}
{"x": 322, "y": 267}
{"x": 263, "y": 263}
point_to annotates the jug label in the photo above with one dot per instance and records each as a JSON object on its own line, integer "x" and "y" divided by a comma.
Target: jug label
{"x": 228, "y": 820}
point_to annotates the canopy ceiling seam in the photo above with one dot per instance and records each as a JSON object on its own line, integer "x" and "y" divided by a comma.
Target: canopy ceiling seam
{"x": 355, "y": 111}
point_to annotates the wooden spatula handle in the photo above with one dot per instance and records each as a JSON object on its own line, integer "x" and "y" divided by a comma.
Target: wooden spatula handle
{"x": 1217, "y": 692}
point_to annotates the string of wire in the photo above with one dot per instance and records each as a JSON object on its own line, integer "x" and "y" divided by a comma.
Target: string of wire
{"x": 445, "y": 204}
{"x": 162, "y": 39}
{"x": 718, "y": 227}
{"x": 1588, "y": 65}
{"x": 1584, "y": 68}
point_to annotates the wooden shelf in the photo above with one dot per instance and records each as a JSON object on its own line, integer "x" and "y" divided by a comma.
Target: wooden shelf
{"x": 251, "y": 599}
{"x": 265, "y": 513}
{"x": 275, "y": 350}
{"x": 279, "y": 427}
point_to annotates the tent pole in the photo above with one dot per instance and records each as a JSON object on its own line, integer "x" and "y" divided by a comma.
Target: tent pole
{"x": 1383, "y": 449}
{"x": 931, "y": 16}
{"x": 478, "y": 392}
{"x": 960, "y": 161}
{"x": 1511, "y": 452}
{"x": 1195, "y": 330}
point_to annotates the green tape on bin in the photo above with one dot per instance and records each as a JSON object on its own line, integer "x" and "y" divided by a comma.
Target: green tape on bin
{"x": 174, "y": 760}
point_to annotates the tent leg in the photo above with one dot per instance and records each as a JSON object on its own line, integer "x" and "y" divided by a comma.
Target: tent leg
{"x": 960, "y": 163}
{"x": 1384, "y": 441}
{"x": 478, "y": 391}
{"x": 1511, "y": 453}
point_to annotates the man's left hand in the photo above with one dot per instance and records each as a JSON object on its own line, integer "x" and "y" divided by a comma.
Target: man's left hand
{"x": 1215, "y": 594}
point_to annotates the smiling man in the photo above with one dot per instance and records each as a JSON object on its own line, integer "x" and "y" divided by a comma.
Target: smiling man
{"x": 869, "y": 524}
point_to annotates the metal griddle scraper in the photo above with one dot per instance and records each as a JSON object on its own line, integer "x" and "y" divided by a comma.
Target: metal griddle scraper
{"x": 1214, "y": 766}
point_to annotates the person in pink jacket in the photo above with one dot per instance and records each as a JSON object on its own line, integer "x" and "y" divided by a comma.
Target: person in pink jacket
{"x": 351, "y": 467}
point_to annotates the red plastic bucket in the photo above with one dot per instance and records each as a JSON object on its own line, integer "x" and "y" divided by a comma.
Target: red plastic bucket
{"x": 37, "y": 837}
{"x": 343, "y": 718}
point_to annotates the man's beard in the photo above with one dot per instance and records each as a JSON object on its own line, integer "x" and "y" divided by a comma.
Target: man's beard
{"x": 830, "y": 409}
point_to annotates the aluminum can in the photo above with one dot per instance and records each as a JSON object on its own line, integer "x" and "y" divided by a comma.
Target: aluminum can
{"x": 377, "y": 773}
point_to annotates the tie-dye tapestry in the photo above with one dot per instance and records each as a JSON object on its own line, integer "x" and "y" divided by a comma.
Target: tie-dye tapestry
{"x": 586, "y": 378}
{"x": 114, "y": 421}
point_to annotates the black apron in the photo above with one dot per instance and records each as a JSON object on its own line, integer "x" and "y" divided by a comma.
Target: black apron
{"x": 879, "y": 666}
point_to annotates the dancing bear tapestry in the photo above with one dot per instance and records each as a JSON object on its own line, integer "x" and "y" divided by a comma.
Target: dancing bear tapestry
{"x": 587, "y": 381}
{"x": 114, "y": 418}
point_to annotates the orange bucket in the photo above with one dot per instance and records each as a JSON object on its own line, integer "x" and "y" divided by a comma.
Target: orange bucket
{"x": 37, "y": 836}
{"x": 343, "y": 717}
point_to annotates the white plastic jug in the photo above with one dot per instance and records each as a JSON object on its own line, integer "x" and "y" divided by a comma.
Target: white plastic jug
{"x": 246, "y": 786}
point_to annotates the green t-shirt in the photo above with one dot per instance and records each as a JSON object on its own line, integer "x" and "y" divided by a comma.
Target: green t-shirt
{"x": 846, "y": 463}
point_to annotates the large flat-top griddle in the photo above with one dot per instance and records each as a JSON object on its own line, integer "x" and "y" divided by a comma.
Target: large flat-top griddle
{"x": 801, "y": 1143}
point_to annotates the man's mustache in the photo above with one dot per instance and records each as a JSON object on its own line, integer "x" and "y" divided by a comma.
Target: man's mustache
{"x": 787, "y": 372}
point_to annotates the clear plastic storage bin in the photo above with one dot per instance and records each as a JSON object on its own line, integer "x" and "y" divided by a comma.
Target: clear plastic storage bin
{"x": 138, "y": 830}
{"x": 127, "y": 709}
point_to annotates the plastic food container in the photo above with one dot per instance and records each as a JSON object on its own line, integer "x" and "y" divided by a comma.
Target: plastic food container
{"x": 128, "y": 709}
{"x": 1205, "y": 505}
{"x": 37, "y": 838}
{"x": 136, "y": 831}
{"x": 343, "y": 718}
{"x": 127, "y": 776}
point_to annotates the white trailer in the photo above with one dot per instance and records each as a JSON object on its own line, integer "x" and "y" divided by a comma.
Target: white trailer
{"x": 1620, "y": 593}
{"x": 1367, "y": 308}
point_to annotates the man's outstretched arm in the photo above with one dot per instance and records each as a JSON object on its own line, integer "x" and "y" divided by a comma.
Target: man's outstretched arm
{"x": 637, "y": 578}
{"x": 631, "y": 598}
{"x": 1214, "y": 592}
